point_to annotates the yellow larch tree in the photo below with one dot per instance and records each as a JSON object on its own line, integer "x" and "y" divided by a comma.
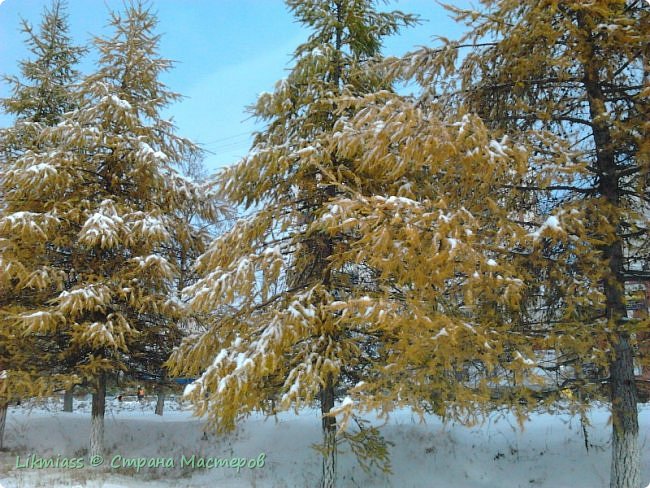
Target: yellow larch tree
{"x": 561, "y": 87}
{"x": 40, "y": 97}
{"x": 279, "y": 338}
{"x": 91, "y": 215}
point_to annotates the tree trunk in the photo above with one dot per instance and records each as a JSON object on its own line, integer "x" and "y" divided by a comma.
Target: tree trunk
{"x": 160, "y": 402}
{"x": 97, "y": 417}
{"x": 328, "y": 479}
{"x": 67, "y": 399}
{"x": 3, "y": 422}
{"x": 626, "y": 457}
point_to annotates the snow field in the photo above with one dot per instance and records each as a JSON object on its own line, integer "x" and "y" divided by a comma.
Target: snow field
{"x": 550, "y": 452}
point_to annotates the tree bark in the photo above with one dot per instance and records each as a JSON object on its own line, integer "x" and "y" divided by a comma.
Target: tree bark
{"x": 67, "y": 399}
{"x": 160, "y": 402}
{"x": 626, "y": 459}
{"x": 626, "y": 456}
{"x": 328, "y": 479}
{"x": 97, "y": 417}
{"x": 3, "y": 422}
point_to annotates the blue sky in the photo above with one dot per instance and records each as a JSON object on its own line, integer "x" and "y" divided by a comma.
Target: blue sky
{"x": 226, "y": 53}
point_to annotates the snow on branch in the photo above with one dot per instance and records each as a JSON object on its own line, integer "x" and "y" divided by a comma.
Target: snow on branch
{"x": 104, "y": 228}
{"x": 29, "y": 225}
{"x": 93, "y": 297}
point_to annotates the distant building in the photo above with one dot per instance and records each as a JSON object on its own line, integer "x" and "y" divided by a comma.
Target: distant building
{"x": 637, "y": 296}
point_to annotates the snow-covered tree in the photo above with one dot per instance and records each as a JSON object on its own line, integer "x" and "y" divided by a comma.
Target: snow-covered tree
{"x": 88, "y": 219}
{"x": 191, "y": 233}
{"x": 40, "y": 97}
{"x": 43, "y": 92}
{"x": 279, "y": 334}
{"x": 566, "y": 83}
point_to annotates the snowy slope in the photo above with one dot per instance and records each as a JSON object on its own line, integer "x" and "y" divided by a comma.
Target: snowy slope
{"x": 550, "y": 452}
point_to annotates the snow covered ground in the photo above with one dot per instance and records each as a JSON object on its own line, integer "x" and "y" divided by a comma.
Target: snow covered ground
{"x": 550, "y": 452}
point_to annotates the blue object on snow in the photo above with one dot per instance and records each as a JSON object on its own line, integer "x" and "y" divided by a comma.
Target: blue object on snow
{"x": 184, "y": 381}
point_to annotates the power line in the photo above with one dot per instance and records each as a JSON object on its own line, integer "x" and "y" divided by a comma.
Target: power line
{"x": 227, "y": 138}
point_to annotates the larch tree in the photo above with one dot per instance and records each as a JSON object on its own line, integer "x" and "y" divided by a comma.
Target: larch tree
{"x": 89, "y": 218}
{"x": 427, "y": 213}
{"x": 44, "y": 93}
{"x": 277, "y": 335}
{"x": 567, "y": 84}
{"x": 40, "y": 97}
{"x": 579, "y": 100}
{"x": 191, "y": 233}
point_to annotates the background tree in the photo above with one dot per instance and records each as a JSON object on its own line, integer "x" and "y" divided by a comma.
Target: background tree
{"x": 281, "y": 335}
{"x": 567, "y": 82}
{"x": 191, "y": 234}
{"x": 45, "y": 91}
{"x": 40, "y": 97}
{"x": 107, "y": 196}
